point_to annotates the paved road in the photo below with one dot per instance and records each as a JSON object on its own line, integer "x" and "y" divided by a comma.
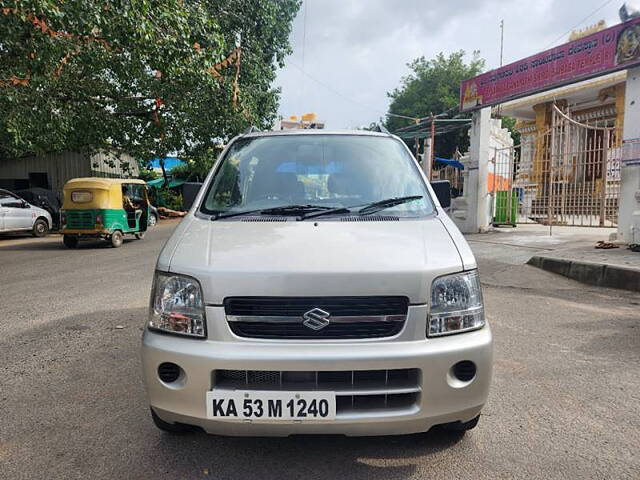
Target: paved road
{"x": 565, "y": 402}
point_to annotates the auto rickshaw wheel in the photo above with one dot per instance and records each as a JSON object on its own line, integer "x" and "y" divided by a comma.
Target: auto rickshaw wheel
{"x": 70, "y": 241}
{"x": 140, "y": 235}
{"x": 116, "y": 239}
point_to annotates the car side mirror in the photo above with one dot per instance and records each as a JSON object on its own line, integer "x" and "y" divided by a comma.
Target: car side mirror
{"x": 442, "y": 189}
{"x": 25, "y": 204}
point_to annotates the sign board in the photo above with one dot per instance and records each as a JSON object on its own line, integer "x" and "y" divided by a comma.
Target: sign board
{"x": 606, "y": 51}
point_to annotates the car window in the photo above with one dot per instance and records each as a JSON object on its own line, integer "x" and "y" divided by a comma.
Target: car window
{"x": 328, "y": 170}
{"x": 81, "y": 196}
{"x": 8, "y": 195}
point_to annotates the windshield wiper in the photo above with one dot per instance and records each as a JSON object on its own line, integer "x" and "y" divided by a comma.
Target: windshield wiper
{"x": 219, "y": 215}
{"x": 294, "y": 210}
{"x": 387, "y": 203}
{"x": 329, "y": 211}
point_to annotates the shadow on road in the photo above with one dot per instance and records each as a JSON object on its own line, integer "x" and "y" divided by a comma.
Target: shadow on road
{"x": 300, "y": 456}
{"x": 51, "y": 244}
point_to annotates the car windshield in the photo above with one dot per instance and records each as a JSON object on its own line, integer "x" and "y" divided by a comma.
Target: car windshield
{"x": 321, "y": 170}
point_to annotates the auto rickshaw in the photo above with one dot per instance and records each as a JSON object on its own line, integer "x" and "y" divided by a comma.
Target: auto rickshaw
{"x": 107, "y": 208}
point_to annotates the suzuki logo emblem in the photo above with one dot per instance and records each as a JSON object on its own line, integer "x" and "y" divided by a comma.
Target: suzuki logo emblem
{"x": 316, "y": 319}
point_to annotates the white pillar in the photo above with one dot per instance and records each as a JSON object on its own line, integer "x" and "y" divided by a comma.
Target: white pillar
{"x": 471, "y": 211}
{"x": 479, "y": 220}
{"x": 426, "y": 158}
{"x": 629, "y": 212}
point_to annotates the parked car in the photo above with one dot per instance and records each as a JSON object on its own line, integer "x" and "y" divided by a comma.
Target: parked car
{"x": 316, "y": 286}
{"x": 17, "y": 215}
{"x": 154, "y": 216}
{"x": 43, "y": 198}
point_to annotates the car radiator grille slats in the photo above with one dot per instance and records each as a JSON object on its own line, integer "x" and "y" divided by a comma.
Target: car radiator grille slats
{"x": 348, "y": 317}
{"x": 356, "y": 390}
{"x": 297, "y": 306}
{"x": 301, "y": 332}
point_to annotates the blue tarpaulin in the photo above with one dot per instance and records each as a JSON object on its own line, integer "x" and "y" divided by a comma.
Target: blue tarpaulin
{"x": 159, "y": 182}
{"x": 169, "y": 163}
{"x": 451, "y": 162}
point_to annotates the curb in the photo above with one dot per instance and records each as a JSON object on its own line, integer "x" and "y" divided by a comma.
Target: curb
{"x": 598, "y": 274}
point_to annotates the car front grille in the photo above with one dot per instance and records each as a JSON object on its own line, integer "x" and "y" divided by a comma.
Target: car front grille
{"x": 356, "y": 390}
{"x": 78, "y": 219}
{"x": 376, "y": 329}
{"x": 346, "y": 317}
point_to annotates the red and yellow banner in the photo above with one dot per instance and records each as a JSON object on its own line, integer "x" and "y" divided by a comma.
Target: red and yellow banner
{"x": 606, "y": 51}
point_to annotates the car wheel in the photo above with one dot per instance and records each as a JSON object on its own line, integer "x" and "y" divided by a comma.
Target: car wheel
{"x": 170, "y": 427}
{"x": 153, "y": 220}
{"x": 70, "y": 241}
{"x": 461, "y": 427}
{"x": 140, "y": 235}
{"x": 117, "y": 239}
{"x": 40, "y": 228}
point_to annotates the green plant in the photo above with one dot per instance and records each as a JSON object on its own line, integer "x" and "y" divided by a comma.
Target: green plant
{"x": 165, "y": 197}
{"x": 433, "y": 87}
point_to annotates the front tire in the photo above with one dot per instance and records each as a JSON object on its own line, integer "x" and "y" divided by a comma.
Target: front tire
{"x": 40, "y": 228}
{"x": 139, "y": 235}
{"x": 174, "y": 428}
{"x": 117, "y": 239}
{"x": 70, "y": 241}
{"x": 153, "y": 220}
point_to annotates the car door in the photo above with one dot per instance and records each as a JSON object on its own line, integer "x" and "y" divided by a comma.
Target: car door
{"x": 4, "y": 195}
{"x": 17, "y": 214}
{"x": 2, "y": 209}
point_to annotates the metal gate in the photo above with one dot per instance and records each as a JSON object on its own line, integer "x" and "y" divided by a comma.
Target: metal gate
{"x": 568, "y": 175}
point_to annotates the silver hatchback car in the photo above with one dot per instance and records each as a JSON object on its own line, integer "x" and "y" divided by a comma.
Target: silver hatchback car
{"x": 316, "y": 287}
{"x": 17, "y": 215}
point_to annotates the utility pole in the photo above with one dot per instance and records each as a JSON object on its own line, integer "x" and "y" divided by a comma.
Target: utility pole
{"x": 499, "y": 107}
{"x": 501, "y": 40}
{"x": 433, "y": 145}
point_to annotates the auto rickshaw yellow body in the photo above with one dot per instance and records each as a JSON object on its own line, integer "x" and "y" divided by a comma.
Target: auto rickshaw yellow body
{"x": 106, "y": 208}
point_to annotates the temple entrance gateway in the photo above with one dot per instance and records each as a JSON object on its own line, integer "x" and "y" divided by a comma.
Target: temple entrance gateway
{"x": 568, "y": 174}
{"x": 577, "y": 110}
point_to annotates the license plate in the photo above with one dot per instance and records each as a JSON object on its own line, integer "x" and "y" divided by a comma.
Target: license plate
{"x": 268, "y": 405}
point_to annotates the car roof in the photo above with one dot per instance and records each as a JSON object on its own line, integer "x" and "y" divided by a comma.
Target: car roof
{"x": 296, "y": 131}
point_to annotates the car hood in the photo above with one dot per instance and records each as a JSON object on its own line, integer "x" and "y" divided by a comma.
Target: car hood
{"x": 324, "y": 258}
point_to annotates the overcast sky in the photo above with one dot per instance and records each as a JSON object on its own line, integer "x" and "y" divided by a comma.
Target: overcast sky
{"x": 355, "y": 51}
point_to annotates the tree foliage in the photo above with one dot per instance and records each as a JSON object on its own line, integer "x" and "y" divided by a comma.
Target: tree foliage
{"x": 137, "y": 76}
{"x": 433, "y": 87}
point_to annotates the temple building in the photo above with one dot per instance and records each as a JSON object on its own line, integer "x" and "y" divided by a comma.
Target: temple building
{"x": 567, "y": 163}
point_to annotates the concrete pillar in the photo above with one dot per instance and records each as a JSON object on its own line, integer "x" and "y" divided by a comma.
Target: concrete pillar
{"x": 479, "y": 167}
{"x": 471, "y": 212}
{"x": 629, "y": 212}
{"x": 426, "y": 158}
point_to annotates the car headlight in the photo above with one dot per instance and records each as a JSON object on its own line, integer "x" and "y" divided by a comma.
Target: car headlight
{"x": 456, "y": 304}
{"x": 177, "y": 306}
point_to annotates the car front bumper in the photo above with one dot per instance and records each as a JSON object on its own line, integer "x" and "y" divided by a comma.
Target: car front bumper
{"x": 442, "y": 399}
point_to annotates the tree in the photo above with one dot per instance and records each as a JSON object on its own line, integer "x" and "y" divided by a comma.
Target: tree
{"x": 433, "y": 87}
{"x": 145, "y": 77}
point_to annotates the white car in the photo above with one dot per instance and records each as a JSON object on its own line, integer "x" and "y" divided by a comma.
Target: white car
{"x": 17, "y": 215}
{"x": 316, "y": 286}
